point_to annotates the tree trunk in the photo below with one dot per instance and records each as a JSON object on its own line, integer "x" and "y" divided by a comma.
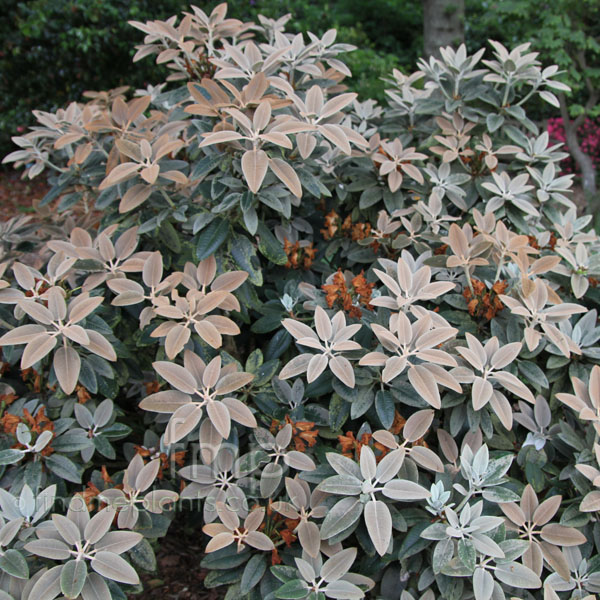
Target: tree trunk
{"x": 584, "y": 161}
{"x": 443, "y": 25}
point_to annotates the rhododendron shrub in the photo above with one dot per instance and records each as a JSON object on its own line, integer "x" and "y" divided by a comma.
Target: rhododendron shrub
{"x": 360, "y": 340}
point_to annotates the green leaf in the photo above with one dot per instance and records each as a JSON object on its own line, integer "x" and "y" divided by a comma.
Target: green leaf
{"x": 494, "y": 122}
{"x": 341, "y": 517}
{"x": 71, "y": 441}
{"x": 497, "y": 468}
{"x": 266, "y": 373}
{"x": 413, "y": 543}
{"x": 269, "y": 246}
{"x": 205, "y": 166}
{"x": 10, "y": 456}
{"x": 292, "y": 590}
{"x": 72, "y": 578}
{"x": 143, "y": 556}
{"x": 370, "y": 197}
{"x": 169, "y": 237}
{"x": 535, "y": 376}
{"x": 217, "y": 578}
{"x": 535, "y": 476}
{"x": 226, "y": 558}
{"x": 254, "y": 361}
{"x": 467, "y": 554}
{"x": 13, "y": 563}
{"x": 251, "y": 220}
{"x": 211, "y": 238}
{"x": 384, "y": 406}
{"x": 284, "y": 573}
{"x": 500, "y": 494}
{"x": 363, "y": 402}
{"x": 339, "y": 411}
{"x": 253, "y": 573}
{"x": 442, "y": 555}
{"x": 244, "y": 253}
{"x": 64, "y": 468}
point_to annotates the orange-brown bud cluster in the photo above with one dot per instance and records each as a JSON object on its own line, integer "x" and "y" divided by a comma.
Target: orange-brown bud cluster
{"x": 36, "y": 425}
{"x": 349, "y": 298}
{"x": 303, "y": 432}
{"x": 484, "y": 304}
{"x": 299, "y": 256}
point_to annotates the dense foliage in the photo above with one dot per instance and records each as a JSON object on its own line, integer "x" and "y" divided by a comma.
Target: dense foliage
{"x": 360, "y": 341}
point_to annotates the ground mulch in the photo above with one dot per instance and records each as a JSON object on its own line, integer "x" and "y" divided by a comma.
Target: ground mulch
{"x": 19, "y": 196}
{"x": 179, "y": 576}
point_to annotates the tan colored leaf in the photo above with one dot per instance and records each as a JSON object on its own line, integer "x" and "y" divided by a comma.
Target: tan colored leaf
{"x": 176, "y": 375}
{"x": 22, "y": 335}
{"x": 513, "y": 512}
{"x": 309, "y": 538}
{"x": 230, "y": 281}
{"x": 112, "y": 566}
{"x": 404, "y": 490}
{"x": 150, "y": 174}
{"x": 165, "y": 402}
{"x": 66, "y": 366}
{"x": 221, "y": 540}
{"x": 298, "y": 460}
{"x": 145, "y": 478}
{"x": 134, "y": 196}
{"x": 447, "y": 445}
{"x": 37, "y": 349}
{"x": 422, "y": 381}
{"x": 287, "y": 175}
{"x": 378, "y": 520}
{"x": 336, "y": 104}
{"x": 176, "y": 339}
{"x": 296, "y": 366}
{"x": 82, "y": 306}
{"x": 183, "y": 421}
{"x": 546, "y": 510}
{"x": 233, "y": 381}
{"x": 209, "y": 333}
{"x": 262, "y": 115}
{"x": 343, "y": 370}
{"x": 559, "y": 535}
{"x": 336, "y": 136}
{"x": 417, "y": 425}
{"x": 119, "y": 174}
{"x": 590, "y": 502}
{"x": 298, "y": 330}
{"x": 220, "y": 137}
{"x": 427, "y": 459}
{"x": 481, "y": 393}
{"x": 316, "y": 366}
{"x": 259, "y": 540}
{"x": 219, "y": 416}
{"x": 100, "y": 345}
{"x": 254, "y": 167}
{"x": 37, "y": 311}
{"x": 239, "y": 412}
